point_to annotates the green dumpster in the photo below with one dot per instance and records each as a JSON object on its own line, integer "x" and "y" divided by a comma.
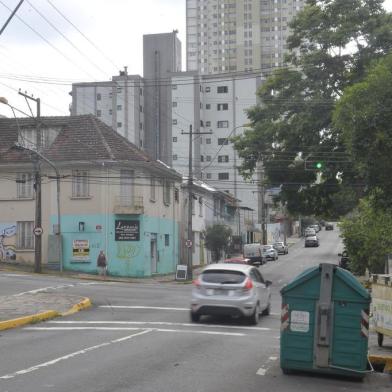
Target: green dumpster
{"x": 325, "y": 323}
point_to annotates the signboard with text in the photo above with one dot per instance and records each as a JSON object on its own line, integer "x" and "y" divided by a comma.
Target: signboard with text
{"x": 127, "y": 230}
{"x": 80, "y": 250}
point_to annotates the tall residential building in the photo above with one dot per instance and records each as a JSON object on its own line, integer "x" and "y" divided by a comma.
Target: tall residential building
{"x": 237, "y": 35}
{"x": 118, "y": 103}
{"x": 161, "y": 57}
{"x": 215, "y": 104}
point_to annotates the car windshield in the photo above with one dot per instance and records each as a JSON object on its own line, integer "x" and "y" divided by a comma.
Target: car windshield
{"x": 223, "y": 277}
{"x": 267, "y": 247}
{"x": 278, "y": 244}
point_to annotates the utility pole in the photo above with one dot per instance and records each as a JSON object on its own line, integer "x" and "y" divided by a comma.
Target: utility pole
{"x": 262, "y": 204}
{"x": 37, "y": 187}
{"x": 189, "y": 242}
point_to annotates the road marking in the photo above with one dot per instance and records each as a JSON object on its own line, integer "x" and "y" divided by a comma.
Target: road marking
{"x": 68, "y": 356}
{"x": 44, "y": 289}
{"x": 133, "y": 329}
{"x": 272, "y": 358}
{"x": 261, "y": 372}
{"x": 161, "y": 323}
{"x": 141, "y": 307}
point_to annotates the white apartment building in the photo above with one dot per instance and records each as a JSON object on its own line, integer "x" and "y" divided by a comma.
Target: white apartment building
{"x": 215, "y": 104}
{"x": 238, "y": 35}
{"x": 118, "y": 103}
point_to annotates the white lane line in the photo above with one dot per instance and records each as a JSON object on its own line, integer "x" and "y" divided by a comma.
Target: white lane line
{"x": 272, "y": 358}
{"x": 261, "y": 372}
{"x": 44, "y": 289}
{"x": 68, "y": 356}
{"x": 160, "y": 323}
{"x": 141, "y": 307}
{"x": 133, "y": 329}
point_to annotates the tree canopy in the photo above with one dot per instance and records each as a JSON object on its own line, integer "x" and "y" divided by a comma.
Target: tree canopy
{"x": 332, "y": 44}
{"x": 217, "y": 239}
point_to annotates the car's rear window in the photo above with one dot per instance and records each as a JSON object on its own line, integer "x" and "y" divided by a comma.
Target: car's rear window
{"x": 223, "y": 276}
{"x": 267, "y": 247}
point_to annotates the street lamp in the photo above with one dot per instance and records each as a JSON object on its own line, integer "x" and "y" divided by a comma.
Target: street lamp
{"x": 18, "y": 146}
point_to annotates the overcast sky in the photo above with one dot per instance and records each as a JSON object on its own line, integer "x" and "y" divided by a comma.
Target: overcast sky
{"x": 39, "y": 52}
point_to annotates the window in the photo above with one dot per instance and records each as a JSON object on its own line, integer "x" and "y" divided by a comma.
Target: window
{"x": 223, "y": 158}
{"x": 110, "y": 112}
{"x": 175, "y": 157}
{"x": 176, "y": 195}
{"x": 222, "y": 89}
{"x": 222, "y": 106}
{"x": 201, "y": 158}
{"x": 193, "y": 205}
{"x": 208, "y": 140}
{"x": 119, "y": 107}
{"x": 24, "y": 185}
{"x": 200, "y": 206}
{"x": 223, "y": 176}
{"x": 223, "y": 141}
{"x": 166, "y": 192}
{"x": 174, "y": 104}
{"x": 119, "y": 124}
{"x": 208, "y": 158}
{"x": 174, "y": 122}
{"x": 167, "y": 240}
{"x": 222, "y": 124}
{"x": 152, "y": 189}
{"x": 208, "y": 176}
{"x": 208, "y": 89}
{"x": 99, "y": 97}
{"x": 174, "y": 139}
{"x": 208, "y": 106}
{"x": 80, "y": 183}
{"x": 208, "y": 123}
{"x": 99, "y": 113}
{"x": 119, "y": 89}
{"x": 24, "y": 235}
{"x": 174, "y": 87}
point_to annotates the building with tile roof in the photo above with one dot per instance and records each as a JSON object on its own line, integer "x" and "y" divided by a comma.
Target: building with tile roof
{"x": 113, "y": 197}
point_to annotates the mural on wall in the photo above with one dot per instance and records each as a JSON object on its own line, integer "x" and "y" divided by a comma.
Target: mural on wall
{"x": 127, "y": 251}
{"x": 7, "y": 241}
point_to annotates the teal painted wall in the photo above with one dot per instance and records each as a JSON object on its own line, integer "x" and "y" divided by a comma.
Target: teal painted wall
{"x": 125, "y": 258}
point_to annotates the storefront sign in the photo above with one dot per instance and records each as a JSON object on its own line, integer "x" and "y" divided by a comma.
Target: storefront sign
{"x": 127, "y": 230}
{"x": 80, "y": 250}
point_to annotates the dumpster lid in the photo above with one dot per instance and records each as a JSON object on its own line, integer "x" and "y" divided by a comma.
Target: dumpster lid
{"x": 310, "y": 273}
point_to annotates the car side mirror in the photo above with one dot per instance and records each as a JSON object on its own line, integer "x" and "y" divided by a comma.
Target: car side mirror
{"x": 268, "y": 283}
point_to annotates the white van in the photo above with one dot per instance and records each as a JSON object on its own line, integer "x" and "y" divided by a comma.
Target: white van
{"x": 253, "y": 252}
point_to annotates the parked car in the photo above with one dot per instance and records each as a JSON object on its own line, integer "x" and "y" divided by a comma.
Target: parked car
{"x": 237, "y": 260}
{"x": 254, "y": 253}
{"x": 311, "y": 241}
{"x": 316, "y": 227}
{"x": 269, "y": 252}
{"x": 328, "y": 226}
{"x": 310, "y": 231}
{"x": 232, "y": 290}
{"x": 281, "y": 247}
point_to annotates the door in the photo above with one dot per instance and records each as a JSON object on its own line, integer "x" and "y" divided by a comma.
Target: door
{"x": 154, "y": 253}
{"x": 261, "y": 288}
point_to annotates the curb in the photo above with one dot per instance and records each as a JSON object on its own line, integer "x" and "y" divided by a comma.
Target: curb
{"x": 43, "y": 316}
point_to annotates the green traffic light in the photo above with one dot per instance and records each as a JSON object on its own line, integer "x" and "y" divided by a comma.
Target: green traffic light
{"x": 319, "y": 165}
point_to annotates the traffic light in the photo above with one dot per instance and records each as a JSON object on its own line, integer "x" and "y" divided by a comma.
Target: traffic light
{"x": 314, "y": 165}
{"x": 319, "y": 165}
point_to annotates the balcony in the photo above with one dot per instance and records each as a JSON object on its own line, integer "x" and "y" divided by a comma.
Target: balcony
{"x": 128, "y": 205}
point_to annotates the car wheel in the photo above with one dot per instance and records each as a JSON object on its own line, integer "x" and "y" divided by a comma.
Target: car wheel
{"x": 267, "y": 310}
{"x": 195, "y": 317}
{"x": 253, "y": 319}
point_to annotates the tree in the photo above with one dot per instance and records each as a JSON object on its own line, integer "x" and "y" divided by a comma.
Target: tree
{"x": 217, "y": 238}
{"x": 364, "y": 116}
{"x": 293, "y": 124}
{"x": 367, "y": 236}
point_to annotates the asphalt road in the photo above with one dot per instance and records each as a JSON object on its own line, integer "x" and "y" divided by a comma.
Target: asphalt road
{"x": 138, "y": 337}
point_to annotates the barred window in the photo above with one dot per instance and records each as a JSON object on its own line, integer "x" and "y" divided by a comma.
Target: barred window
{"x": 24, "y": 235}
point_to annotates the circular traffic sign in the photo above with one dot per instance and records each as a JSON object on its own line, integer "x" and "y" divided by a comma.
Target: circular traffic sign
{"x": 188, "y": 243}
{"x": 38, "y": 231}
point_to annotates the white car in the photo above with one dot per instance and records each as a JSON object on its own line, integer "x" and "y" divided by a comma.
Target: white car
{"x": 232, "y": 290}
{"x": 269, "y": 252}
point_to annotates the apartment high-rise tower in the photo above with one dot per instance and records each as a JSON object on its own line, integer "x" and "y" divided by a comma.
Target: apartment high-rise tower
{"x": 237, "y": 35}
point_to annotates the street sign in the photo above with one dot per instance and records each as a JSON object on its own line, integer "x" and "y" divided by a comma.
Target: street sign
{"x": 38, "y": 231}
{"x": 188, "y": 243}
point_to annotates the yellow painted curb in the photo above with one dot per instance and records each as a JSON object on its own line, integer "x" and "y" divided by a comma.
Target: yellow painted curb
{"x": 385, "y": 360}
{"x": 18, "y": 322}
{"x": 84, "y": 304}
